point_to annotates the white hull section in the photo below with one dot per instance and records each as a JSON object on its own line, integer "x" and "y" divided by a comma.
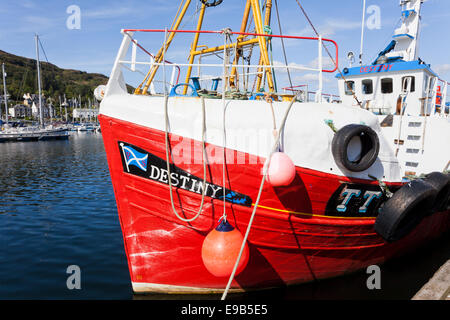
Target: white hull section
{"x": 307, "y": 138}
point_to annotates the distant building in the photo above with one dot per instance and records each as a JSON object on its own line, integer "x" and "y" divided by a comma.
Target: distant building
{"x": 35, "y": 110}
{"x": 20, "y": 111}
{"x": 32, "y": 100}
{"x": 85, "y": 113}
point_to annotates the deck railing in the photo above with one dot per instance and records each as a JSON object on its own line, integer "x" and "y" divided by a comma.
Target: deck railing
{"x": 132, "y": 63}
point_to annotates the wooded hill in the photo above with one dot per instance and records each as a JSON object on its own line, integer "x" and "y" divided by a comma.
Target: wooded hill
{"x": 22, "y": 78}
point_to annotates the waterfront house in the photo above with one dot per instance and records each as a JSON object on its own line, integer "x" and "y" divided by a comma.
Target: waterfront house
{"x": 20, "y": 111}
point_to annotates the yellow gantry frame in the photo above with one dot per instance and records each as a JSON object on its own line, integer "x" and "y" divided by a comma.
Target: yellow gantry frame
{"x": 251, "y": 5}
{"x": 264, "y": 58}
{"x": 160, "y": 55}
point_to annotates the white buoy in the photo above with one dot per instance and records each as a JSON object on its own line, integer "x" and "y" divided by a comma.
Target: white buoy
{"x": 99, "y": 92}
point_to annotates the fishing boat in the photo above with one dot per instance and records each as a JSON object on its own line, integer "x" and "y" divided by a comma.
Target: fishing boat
{"x": 224, "y": 184}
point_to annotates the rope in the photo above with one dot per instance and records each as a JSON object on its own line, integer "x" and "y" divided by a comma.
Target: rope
{"x": 166, "y": 99}
{"x": 166, "y": 118}
{"x": 227, "y": 35}
{"x": 269, "y": 100}
{"x": 274, "y": 149}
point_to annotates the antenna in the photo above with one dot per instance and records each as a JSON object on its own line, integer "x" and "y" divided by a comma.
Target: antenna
{"x": 362, "y": 32}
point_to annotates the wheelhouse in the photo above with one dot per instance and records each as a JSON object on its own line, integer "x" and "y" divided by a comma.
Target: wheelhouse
{"x": 388, "y": 88}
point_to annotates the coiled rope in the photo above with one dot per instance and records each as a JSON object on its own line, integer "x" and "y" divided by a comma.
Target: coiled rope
{"x": 166, "y": 116}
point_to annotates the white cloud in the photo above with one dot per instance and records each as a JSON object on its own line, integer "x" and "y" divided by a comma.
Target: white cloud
{"x": 27, "y": 4}
{"x": 331, "y": 27}
{"x": 290, "y": 65}
{"x": 327, "y": 63}
{"x": 314, "y": 64}
{"x": 313, "y": 77}
{"x": 442, "y": 68}
{"x": 107, "y": 12}
{"x": 35, "y": 24}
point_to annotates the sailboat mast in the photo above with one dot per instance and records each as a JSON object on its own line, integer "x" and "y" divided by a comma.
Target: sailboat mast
{"x": 5, "y": 94}
{"x": 60, "y": 108}
{"x": 65, "y": 106}
{"x": 41, "y": 115}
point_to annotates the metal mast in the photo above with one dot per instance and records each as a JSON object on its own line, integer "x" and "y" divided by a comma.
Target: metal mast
{"x": 41, "y": 114}
{"x": 65, "y": 106}
{"x": 5, "y": 94}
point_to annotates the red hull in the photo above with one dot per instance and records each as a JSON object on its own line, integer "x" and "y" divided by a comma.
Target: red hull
{"x": 292, "y": 240}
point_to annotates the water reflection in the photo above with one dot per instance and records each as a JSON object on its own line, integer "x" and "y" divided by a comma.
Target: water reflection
{"x": 57, "y": 209}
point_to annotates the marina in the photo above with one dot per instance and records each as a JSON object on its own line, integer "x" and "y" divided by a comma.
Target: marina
{"x": 230, "y": 160}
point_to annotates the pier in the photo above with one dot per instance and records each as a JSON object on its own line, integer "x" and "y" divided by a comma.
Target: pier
{"x": 438, "y": 288}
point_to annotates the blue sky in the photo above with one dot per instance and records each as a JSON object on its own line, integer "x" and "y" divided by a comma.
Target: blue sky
{"x": 93, "y": 47}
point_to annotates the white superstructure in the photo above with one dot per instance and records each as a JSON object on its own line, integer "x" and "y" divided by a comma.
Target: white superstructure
{"x": 408, "y": 97}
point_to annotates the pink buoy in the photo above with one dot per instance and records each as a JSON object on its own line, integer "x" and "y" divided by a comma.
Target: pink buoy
{"x": 281, "y": 171}
{"x": 221, "y": 249}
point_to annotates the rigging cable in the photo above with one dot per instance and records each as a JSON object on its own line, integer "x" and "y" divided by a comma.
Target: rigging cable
{"x": 282, "y": 44}
{"x": 329, "y": 54}
{"x": 42, "y": 47}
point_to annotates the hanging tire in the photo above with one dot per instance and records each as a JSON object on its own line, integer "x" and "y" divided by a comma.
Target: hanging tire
{"x": 355, "y": 147}
{"x": 441, "y": 182}
{"x": 399, "y": 215}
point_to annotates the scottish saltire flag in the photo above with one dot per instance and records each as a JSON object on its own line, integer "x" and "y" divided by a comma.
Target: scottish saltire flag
{"x": 135, "y": 158}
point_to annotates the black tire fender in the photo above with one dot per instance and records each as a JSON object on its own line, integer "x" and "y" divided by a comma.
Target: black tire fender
{"x": 399, "y": 215}
{"x": 370, "y": 146}
{"x": 441, "y": 182}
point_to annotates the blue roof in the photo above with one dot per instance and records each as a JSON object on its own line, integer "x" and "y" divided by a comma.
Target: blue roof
{"x": 387, "y": 67}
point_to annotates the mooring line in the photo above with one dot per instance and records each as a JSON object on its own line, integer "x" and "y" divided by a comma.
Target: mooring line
{"x": 266, "y": 165}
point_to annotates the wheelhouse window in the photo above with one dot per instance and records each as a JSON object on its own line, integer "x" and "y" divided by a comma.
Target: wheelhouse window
{"x": 367, "y": 86}
{"x": 412, "y": 80}
{"x": 387, "y": 85}
{"x": 349, "y": 87}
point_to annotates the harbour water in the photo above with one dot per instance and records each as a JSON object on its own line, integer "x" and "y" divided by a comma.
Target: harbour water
{"x": 57, "y": 209}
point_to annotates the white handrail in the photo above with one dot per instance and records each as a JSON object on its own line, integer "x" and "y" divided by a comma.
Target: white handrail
{"x": 220, "y": 65}
{"x": 319, "y": 92}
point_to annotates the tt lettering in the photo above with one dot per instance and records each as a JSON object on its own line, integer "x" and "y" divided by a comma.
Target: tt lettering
{"x": 349, "y": 194}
